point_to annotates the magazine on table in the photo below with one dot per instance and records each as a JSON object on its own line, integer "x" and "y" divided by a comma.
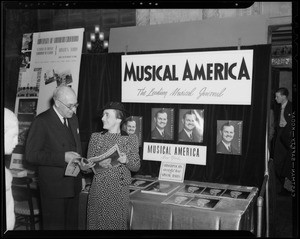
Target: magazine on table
{"x": 113, "y": 153}
{"x": 191, "y": 189}
{"x": 203, "y": 202}
{"x": 213, "y": 191}
{"x": 178, "y": 199}
{"x": 237, "y": 194}
{"x": 161, "y": 188}
{"x": 141, "y": 183}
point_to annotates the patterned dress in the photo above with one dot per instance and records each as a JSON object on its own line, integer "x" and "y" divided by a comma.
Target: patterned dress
{"x": 108, "y": 203}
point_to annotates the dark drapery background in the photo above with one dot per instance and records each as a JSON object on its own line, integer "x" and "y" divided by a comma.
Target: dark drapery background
{"x": 100, "y": 82}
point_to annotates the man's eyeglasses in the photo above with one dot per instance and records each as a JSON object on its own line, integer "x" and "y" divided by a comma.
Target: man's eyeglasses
{"x": 69, "y": 107}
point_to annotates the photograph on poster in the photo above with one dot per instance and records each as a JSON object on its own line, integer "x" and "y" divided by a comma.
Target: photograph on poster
{"x": 229, "y": 137}
{"x": 213, "y": 191}
{"x": 29, "y": 82}
{"x": 162, "y": 123}
{"x": 27, "y": 106}
{"x": 27, "y": 42}
{"x": 60, "y": 78}
{"x": 26, "y": 57}
{"x": 205, "y": 203}
{"x": 191, "y": 125}
{"x": 23, "y": 131}
{"x": 236, "y": 194}
{"x": 133, "y": 125}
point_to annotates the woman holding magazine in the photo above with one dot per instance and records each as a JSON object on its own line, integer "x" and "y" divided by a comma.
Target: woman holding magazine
{"x": 108, "y": 203}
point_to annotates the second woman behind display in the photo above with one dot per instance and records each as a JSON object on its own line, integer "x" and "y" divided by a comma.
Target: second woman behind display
{"x": 108, "y": 203}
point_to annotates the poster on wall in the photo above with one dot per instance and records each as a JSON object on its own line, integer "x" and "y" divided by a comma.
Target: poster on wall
{"x": 213, "y": 77}
{"x": 229, "y": 137}
{"x": 49, "y": 59}
{"x": 162, "y": 123}
{"x": 134, "y": 125}
{"x": 191, "y": 125}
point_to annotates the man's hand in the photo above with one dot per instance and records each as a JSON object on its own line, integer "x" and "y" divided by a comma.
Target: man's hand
{"x": 70, "y": 155}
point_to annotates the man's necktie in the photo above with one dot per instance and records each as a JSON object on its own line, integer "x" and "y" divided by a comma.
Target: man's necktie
{"x": 282, "y": 122}
{"x": 65, "y": 122}
{"x": 229, "y": 148}
{"x": 191, "y": 136}
{"x": 163, "y": 134}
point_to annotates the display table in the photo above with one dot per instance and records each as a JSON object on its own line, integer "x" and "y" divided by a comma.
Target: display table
{"x": 148, "y": 212}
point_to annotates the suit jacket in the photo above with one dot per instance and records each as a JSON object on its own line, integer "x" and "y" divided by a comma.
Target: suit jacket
{"x": 285, "y": 135}
{"x": 182, "y": 136}
{"x": 221, "y": 148}
{"x": 48, "y": 140}
{"x": 155, "y": 134}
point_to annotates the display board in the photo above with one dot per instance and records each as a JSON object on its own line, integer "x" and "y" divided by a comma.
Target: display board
{"x": 49, "y": 59}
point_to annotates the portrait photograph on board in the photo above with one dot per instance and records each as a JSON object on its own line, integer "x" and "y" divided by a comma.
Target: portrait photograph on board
{"x": 229, "y": 137}
{"x": 133, "y": 125}
{"x": 191, "y": 125}
{"x": 162, "y": 123}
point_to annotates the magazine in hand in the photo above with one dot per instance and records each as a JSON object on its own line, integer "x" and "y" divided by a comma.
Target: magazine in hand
{"x": 72, "y": 168}
{"x": 161, "y": 188}
{"x": 141, "y": 183}
{"x": 113, "y": 153}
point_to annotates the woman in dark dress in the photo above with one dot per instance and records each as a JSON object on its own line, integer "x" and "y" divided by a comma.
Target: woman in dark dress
{"x": 108, "y": 203}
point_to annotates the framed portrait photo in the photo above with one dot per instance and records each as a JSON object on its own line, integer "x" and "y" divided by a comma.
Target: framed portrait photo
{"x": 191, "y": 125}
{"x": 229, "y": 137}
{"x": 134, "y": 125}
{"x": 162, "y": 123}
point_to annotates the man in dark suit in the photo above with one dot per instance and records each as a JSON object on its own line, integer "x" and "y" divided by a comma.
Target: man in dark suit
{"x": 51, "y": 145}
{"x": 225, "y": 146}
{"x": 189, "y": 133}
{"x": 283, "y": 128}
{"x": 159, "y": 132}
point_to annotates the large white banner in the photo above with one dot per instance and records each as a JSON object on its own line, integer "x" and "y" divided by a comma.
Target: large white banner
{"x": 175, "y": 153}
{"x": 53, "y": 58}
{"x": 217, "y": 77}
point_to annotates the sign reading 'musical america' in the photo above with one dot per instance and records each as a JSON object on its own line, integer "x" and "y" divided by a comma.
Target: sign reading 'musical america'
{"x": 215, "y": 77}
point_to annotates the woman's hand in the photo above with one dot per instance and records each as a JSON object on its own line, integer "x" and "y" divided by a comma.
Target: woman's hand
{"x": 85, "y": 164}
{"x": 106, "y": 163}
{"x": 122, "y": 158}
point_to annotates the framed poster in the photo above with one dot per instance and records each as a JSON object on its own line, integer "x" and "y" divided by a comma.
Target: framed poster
{"x": 229, "y": 137}
{"x": 162, "y": 123}
{"x": 191, "y": 125}
{"x": 134, "y": 125}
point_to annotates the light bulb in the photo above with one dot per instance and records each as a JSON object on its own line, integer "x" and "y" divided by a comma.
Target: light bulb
{"x": 97, "y": 29}
{"x": 93, "y": 37}
{"x": 101, "y": 36}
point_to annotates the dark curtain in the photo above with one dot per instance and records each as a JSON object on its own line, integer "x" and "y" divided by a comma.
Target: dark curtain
{"x": 100, "y": 82}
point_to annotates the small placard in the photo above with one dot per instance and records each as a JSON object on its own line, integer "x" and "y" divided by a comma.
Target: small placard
{"x": 172, "y": 172}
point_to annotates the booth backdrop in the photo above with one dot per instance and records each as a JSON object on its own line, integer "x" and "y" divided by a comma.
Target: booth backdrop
{"x": 100, "y": 82}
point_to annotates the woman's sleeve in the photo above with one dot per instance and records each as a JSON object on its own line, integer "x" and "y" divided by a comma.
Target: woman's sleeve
{"x": 91, "y": 146}
{"x": 133, "y": 156}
